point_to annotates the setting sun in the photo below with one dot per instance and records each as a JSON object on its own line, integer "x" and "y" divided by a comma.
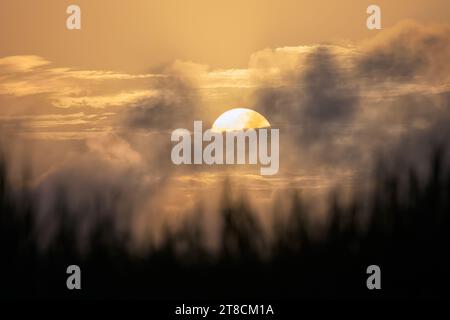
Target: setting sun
{"x": 239, "y": 119}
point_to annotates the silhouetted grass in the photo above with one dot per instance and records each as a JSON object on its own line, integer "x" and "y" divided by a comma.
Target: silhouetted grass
{"x": 406, "y": 233}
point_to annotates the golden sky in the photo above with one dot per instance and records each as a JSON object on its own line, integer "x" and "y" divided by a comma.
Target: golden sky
{"x": 136, "y": 35}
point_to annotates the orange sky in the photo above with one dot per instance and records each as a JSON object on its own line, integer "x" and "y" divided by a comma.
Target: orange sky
{"x": 138, "y": 35}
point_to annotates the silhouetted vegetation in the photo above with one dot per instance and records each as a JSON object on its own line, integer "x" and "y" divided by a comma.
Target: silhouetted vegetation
{"x": 403, "y": 226}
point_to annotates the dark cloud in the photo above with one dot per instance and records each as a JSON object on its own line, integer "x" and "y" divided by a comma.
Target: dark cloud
{"x": 174, "y": 105}
{"x": 406, "y": 51}
{"x": 319, "y": 92}
{"x": 314, "y": 108}
{"x": 340, "y": 107}
{"x": 329, "y": 94}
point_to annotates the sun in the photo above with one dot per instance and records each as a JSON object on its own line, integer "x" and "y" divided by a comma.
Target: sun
{"x": 239, "y": 119}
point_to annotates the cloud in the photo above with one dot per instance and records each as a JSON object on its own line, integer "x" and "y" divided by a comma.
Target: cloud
{"x": 22, "y": 63}
{"x": 329, "y": 94}
{"x": 129, "y": 98}
{"x": 175, "y": 105}
{"x": 314, "y": 102}
{"x": 338, "y": 106}
{"x": 101, "y": 74}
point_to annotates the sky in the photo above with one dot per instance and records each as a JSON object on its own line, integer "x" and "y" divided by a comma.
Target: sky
{"x": 142, "y": 35}
{"x": 93, "y": 109}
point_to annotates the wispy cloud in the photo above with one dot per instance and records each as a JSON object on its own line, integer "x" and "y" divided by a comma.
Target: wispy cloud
{"x": 22, "y": 63}
{"x": 127, "y": 98}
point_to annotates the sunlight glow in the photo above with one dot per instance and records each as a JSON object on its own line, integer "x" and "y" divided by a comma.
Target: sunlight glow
{"x": 239, "y": 119}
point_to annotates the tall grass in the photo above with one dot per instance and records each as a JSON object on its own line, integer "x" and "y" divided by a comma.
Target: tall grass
{"x": 406, "y": 233}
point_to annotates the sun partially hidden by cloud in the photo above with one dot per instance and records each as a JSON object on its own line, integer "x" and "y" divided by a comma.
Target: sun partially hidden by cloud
{"x": 120, "y": 99}
{"x": 239, "y": 119}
